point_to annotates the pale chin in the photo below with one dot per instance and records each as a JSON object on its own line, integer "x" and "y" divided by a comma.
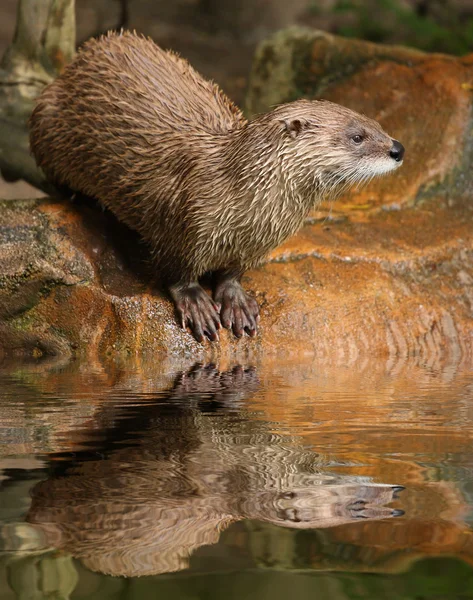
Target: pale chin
{"x": 383, "y": 167}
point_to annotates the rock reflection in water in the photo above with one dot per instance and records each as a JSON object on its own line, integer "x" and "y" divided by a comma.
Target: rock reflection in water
{"x": 171, "y": 475}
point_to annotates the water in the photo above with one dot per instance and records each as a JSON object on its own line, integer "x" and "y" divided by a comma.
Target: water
{"x": 270, "y": 480}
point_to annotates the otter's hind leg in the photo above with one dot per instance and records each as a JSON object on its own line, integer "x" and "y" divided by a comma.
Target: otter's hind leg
{"x": 196, "y": 309}
{"x": 238, "y": 310}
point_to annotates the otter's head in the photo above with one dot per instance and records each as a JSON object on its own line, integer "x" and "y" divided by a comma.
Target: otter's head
{"x": 333, "y": 146}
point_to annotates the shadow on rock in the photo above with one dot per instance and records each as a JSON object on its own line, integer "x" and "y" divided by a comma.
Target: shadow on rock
{"x": 167, "y": 477}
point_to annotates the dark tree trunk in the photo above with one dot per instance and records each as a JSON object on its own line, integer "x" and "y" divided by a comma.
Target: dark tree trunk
{"x": 43, "y": 44}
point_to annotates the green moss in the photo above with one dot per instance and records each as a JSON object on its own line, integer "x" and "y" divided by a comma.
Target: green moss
{"x": 388, "y": 20}
{"x": 24, "y": 322}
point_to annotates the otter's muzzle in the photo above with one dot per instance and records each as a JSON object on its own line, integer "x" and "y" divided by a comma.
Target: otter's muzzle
{"x": 397, "y": 151}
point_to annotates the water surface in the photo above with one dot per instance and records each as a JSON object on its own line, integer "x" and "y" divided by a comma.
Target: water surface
{"x": 268, "y": 480}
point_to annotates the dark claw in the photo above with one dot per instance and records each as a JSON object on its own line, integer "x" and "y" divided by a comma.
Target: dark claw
{"x": 197, "y": 310}
{"x": 195, "y": 322}
{"x": 239, "y": 311}
{"x": 210, "y": 328}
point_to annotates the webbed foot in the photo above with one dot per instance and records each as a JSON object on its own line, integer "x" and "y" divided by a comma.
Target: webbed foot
{"x": 197, "y": 310}
{"x": 238, "y": 310}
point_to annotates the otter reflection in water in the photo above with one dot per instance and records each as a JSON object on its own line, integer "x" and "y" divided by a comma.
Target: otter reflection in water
{"x": 173, "y": 474}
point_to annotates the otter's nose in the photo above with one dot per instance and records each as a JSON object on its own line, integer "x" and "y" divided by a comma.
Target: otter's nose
{"x": 397, "y": 151}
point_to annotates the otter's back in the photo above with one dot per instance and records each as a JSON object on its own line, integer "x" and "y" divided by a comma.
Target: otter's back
{"x": 137, "y": 76}
{"x": 126, "y": 117}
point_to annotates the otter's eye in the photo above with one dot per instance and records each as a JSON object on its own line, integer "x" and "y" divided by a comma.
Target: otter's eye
{"x": 357, "y": 139}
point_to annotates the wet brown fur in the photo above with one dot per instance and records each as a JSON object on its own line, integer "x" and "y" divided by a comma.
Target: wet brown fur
{"x": 165, "y": 150}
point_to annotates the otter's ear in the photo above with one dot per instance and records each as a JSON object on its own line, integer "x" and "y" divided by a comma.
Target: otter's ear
{"x": 295, "y": 126}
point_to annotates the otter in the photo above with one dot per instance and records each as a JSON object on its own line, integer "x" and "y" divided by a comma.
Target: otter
{"x": 165, "y": 150}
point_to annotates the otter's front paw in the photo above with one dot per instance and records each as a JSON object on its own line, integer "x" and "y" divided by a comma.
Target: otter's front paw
{"x": 197, "y": 310}
{"x": 238, "y": 310}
